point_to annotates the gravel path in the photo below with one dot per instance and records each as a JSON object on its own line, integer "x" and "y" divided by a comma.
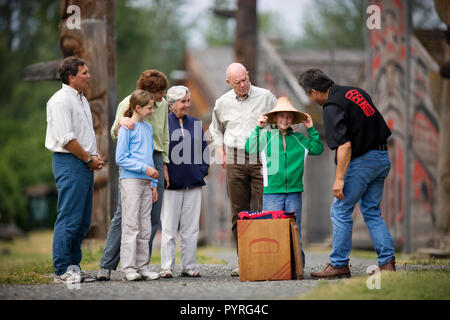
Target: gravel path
{"x": 215, "y": 284}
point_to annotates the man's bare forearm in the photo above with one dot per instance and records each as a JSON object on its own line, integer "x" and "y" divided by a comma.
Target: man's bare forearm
{"x": 77, "y": 150}
{"x": 344, "y": 155}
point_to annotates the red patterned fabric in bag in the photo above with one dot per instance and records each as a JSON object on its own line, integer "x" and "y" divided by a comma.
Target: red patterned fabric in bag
{"x": 246, "y": 215}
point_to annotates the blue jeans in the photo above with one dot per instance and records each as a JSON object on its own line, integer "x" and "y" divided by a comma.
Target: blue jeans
{"x": 363, "y": 182}
{"x": 75, "y": 185}
{"x": 111, "y": 253}
{"x": 289, "y": 202}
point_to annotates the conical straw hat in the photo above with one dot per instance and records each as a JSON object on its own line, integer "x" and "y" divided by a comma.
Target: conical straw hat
{"x": 284, "y": 104}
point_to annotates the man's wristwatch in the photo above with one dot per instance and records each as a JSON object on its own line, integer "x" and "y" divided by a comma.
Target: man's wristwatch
{"x": 89, "y": 161}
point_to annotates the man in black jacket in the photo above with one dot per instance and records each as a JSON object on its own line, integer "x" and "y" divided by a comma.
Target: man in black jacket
{"x": 357, "y": 131}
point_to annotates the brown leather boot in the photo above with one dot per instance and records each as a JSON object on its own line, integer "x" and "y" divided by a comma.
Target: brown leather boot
{"x": 331, "y": 272}
{"x": 389, "y": 266}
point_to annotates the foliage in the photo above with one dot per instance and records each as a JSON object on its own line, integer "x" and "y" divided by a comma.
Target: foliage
{"x": 28, "y": 33}
{"x": 269, "y": 23}
{"x": 220, "y": 30}
{"x": 341, "y": 22}
{"x": 149, "y": 36}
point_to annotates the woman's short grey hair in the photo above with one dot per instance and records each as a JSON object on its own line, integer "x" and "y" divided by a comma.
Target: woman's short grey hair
{"x": 175, "y": 93}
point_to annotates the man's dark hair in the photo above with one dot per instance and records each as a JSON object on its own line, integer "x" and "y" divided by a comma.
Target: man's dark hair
{"x": 69, "y": 67}
{"x": 316, "y": 79}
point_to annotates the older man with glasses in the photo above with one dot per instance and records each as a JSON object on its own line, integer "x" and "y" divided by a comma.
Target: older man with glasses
{"x": 234, "y": 116}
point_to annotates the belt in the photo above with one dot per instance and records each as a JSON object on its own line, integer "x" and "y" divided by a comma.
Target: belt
{"x": 241, "y": 154}
{"x": 382, "y": 147}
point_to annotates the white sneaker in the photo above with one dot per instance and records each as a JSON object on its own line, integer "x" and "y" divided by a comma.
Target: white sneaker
{"x": 68, "y": 278}
{"x": 235, "y": 272}
{"x": 132, "y": 276}
{"x": 148, "y": 275}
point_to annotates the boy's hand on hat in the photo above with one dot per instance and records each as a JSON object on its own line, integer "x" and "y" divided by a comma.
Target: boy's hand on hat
{"x": 262, "y": 121}
{"x": 308, "y": 122}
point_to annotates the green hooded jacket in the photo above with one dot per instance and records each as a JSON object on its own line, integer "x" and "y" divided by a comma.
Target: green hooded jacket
{"x": 283, "y": 170}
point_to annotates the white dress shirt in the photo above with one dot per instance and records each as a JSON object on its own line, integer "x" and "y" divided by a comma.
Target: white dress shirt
{"x": 69, "y": 117}
{"x": 233, "y": 119}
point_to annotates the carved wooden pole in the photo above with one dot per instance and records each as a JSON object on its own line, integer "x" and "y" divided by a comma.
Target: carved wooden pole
{"x": 246, "y": 45}
{"x": 442, "y": 240}
{"x": 246, "y": 42}
{"x": 93, "y": 41}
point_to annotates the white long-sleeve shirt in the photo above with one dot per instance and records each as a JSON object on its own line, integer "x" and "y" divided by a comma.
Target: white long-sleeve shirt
{"x": 69, "y": 117}
{"x": 233, "y": 119}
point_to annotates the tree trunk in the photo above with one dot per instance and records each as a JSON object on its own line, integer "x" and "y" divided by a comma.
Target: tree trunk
{"x": 94, "y": 42}
{"x": 246, "y": 45}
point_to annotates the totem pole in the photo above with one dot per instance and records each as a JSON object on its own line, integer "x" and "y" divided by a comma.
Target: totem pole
{"x": 91, "y": 38}
{"x": 442, "y": 239}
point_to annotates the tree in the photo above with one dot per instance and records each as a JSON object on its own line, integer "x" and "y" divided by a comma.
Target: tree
{"x": 149, "y": 36}
{"x": 344, "y": 21}
{"x": 219, "y": 31}
{"x": 28, "y": 33}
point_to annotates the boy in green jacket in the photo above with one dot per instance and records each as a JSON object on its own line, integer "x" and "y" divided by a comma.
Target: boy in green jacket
{"x": 283, "y": 153}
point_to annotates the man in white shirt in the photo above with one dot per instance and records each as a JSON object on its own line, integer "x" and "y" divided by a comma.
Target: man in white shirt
{"x": 70, "y": 136}
{"x": 234, "y": 116}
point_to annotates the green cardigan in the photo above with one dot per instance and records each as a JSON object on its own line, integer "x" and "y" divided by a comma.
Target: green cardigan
{"x": 283, "y": 171}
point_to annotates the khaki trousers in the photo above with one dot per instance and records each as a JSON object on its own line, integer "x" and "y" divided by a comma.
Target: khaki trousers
{"x": 136, "y": 196}
{"x": 244, "y": 185}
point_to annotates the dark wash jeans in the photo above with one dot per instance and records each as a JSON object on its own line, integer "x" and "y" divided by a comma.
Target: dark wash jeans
{"x": 363, "y": 183}
{"x": 75, "y": 185}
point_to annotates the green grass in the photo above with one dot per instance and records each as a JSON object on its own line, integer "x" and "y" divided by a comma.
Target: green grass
{"x": 29, "y": 260}
{"x": 401, "y": 285}
{"x": 401, "y": 258}
{"x": 26, "y": 260}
